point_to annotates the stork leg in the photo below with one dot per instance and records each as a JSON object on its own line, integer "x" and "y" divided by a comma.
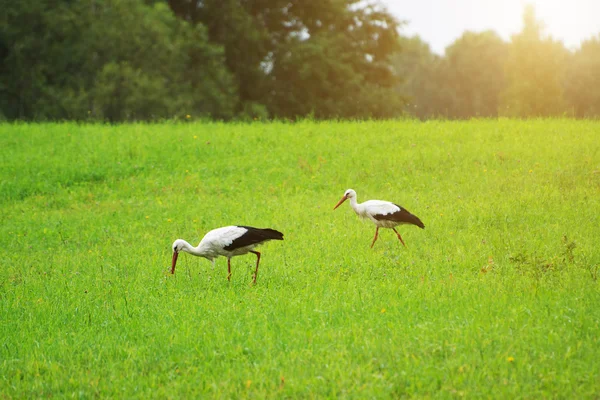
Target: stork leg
{"x": 376, "y": 236}
{"x": 399, "y": 237}
{"x": 257, "y": 261}
{"x": 228, "y": 268}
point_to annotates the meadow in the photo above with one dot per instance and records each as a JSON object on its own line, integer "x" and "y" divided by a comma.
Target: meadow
{"x": 498, "y": 297}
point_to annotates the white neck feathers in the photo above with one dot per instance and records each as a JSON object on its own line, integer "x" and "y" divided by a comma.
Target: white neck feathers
{"x": 354, "y": 204}
{"x": 188, "y": 248}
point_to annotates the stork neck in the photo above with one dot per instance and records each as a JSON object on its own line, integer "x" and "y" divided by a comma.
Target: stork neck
{"x": 188, "y": 248}
{"x": 353, "y": 203}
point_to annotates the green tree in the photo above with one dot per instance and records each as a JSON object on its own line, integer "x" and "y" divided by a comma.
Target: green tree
{"x": 329, "y": 58}
{"x": 475, "y": 74}
{"x": 423, "y": 82}
{"x": 115, "y": 60}
{"x": 534, "y": 73}
{"x": 582, "y": 85}
{"x": 244, "y": 30}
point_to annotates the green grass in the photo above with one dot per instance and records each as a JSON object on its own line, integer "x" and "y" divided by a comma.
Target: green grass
{"x": 498, "y": 297}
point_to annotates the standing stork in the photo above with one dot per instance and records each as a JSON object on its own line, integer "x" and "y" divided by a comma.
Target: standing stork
{"x": 229, "y": 241}
{"x": 382, "y": 213}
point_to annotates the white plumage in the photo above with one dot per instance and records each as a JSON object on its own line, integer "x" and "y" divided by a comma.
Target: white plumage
{"x": 370, "y": 208}
{"x": 228, "y": 241}
{"x": 383, "y": 214}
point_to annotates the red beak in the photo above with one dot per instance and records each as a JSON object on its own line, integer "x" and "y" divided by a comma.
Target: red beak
{"x": 343, "y": 199}
{"x": 175, "y": 254}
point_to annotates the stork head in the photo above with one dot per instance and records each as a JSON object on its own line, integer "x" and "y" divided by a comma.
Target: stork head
{"x": 178, "y": 246}
{"x": 349, "y": 194}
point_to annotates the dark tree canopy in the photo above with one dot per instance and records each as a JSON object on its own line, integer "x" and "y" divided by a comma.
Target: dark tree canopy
{"x": 115, "y": 60}
{"x": 298, "y": 57}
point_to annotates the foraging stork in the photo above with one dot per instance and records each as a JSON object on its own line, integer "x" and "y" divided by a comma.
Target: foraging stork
{"x": 229, "y": 241}
{"x": 382, "y": 213}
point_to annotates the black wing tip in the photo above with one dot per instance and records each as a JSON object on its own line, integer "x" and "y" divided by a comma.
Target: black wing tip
{"x": 274, "y": 234}
{"x": 418, "y": 222}
{"x": 267, "y": 233}
{"x": 254, "y": 236}
{"x": 402, "y": 216}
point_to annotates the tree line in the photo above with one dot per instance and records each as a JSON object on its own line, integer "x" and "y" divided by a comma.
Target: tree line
{"x": 127, "y": 60}
{"x": 480, "y": 75}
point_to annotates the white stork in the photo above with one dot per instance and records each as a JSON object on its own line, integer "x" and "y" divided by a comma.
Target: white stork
{"x": 229, "y": 241}
{"x": 382, "y": 213}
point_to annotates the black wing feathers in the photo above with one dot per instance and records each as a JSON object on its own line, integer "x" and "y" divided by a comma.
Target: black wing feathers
{"x": 403, "y": 216}
{"x": 253, "y": 236}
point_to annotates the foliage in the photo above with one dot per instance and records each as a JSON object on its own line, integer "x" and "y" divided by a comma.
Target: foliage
{"x": 480, "y": 75}
{"x": 534, "y": 73}
{"x": 129, "y": 60}
{"x": 89, "y": 212}
{"x": 328, "y": 59}
{"x": 145, "y": 60}
{"x": 244, "y": 37}
{"x": 114, "y": 60}
{"x": 423, "y": 82}
{"x": 475, "y": 73}
{"x": 320, "y": 77}
{"x": 583, "y": 80}
{"x": 465, "y": 83}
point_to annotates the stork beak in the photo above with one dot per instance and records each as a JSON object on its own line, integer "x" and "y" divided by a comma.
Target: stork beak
{"x": 175, "y": 254}
{"x": 343, "y": 199}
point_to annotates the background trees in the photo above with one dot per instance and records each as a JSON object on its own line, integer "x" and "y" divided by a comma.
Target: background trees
{"x": 423, "y": 79}
{"x": 120, "y": 60}
{"x": 582, "y": 83}
{"x": 475, "y": 74}
{"x": 296, "y": 57}
{"x": 535, "y": 70}
{"x": 115, "y": 60}
{"x": 481, "y": 75}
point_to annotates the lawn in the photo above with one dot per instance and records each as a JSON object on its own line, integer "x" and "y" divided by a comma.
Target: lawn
{"x": 498, "y": 297}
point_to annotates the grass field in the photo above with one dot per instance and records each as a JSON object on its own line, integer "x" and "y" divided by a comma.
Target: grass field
{"x": 498, "y": 297}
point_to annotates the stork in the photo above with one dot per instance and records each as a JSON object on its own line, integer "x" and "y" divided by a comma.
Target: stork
{"x": 382, "y": 213}
{"x": 229, "y": 241}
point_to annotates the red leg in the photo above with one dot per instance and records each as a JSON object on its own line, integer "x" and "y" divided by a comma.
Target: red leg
{"x": 228, "y": 269}
{"x": 257, "y": 261}
{"x": 375, "y": 238}
{"x": 399, "y": 237}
